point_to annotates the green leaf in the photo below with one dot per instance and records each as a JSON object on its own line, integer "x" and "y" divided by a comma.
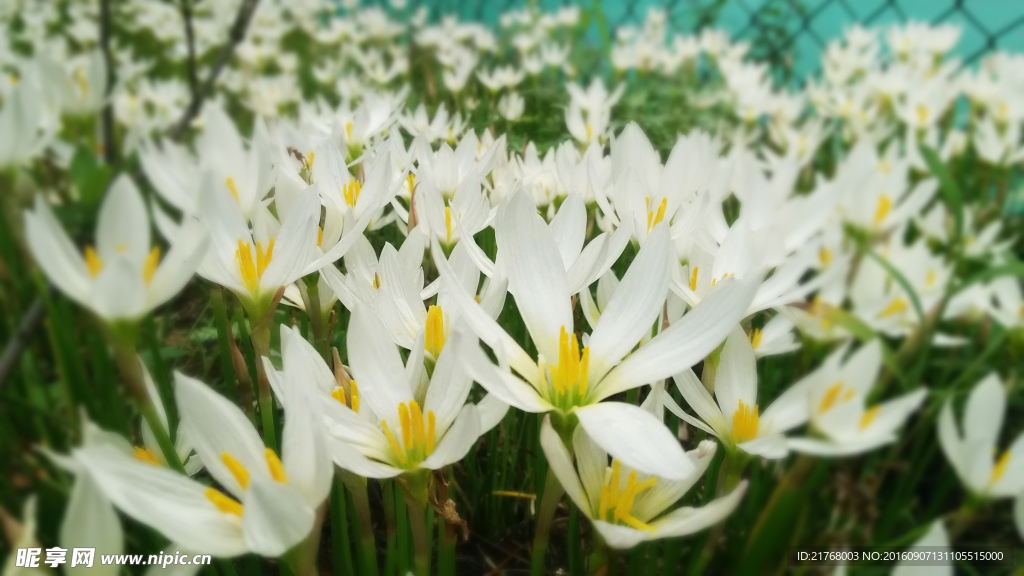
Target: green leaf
{"x": 89, "y": 175}
{"x": 1011, "y": 268}
{"x": 949, "y": 188}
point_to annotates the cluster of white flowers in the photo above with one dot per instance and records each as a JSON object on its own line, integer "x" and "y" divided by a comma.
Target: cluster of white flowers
{"x": 810, "y": 214}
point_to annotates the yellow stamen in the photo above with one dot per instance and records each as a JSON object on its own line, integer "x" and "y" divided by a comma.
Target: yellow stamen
{"x": 355, "y": 395}
{"x": 693, "y": 278}
{"x": 745, "y": 423}
{"x": 419, "y": 433}
{"x": 395, "y": 447}
{"x": 882, "y": 208}
{"x": 339, "y": 395}
{"x": 616, "y": 505}
{"x": 868, "y": 417}
{"x": 590, "y": 132}
{"x": 825, "y": 256}
{"x": 223, "y": 502}
{"x": 922, "y": 114}
{"x": 898, "y": 305}
{"x": 411, "y": 180}
{"x": 319, "y": 236}
{"x": 929, "y": 277}
{"x": 406, "y": 422}
{"x": 237, "y": 470}
{"x": 152, "y": 261}
{"x": 309, "y": 164}
{"x": 448, "y": 221}
{"x": 376, "y": 281}
{"x": 755, "y": 338}
{"x": 584, "y": 368}
{"x": 146, "y": 455}
{"x": 569, "y": 375}
{"x": 652, "y": 218}
{"x": 435, "y": 335}
{"x": 831, "y": 395}
{"x": 351, "y": 191}
{"x": 93, "y": 262}
{"x": 251, "y": 272}
{"x": 884, "y": 167}
{"x": 276, "y": 468}
{"x": 231, "y": 186}
{"x": 121, "y": 248}
{"x": 83, "y": 84}
{"x": 348, "y": 131}
{"x": 1000, "y": 468}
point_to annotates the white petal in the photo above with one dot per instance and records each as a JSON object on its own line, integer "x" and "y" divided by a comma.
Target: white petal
{"x": 700, "y": 400}
{"x": 736, "y": 376}
{"x": 457, "y": 441}
{"x": 560, "y": 461}
{"x": 771, "y": 446}
{"x": 569, "y": 228}
{"x": 123, "y": 223}
{"x": 276, "y": 517}
{"x": 686, "y": 342}
{"x": 91, "y": 522}
{"x": 686, "y": 521}
{"x": 986, "y": 407}
{"x": 636, "y": 438}
{"x": 376, "y": 365}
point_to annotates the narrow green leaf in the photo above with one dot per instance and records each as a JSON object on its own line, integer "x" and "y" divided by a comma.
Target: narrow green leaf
{"x": 948, "y": 186}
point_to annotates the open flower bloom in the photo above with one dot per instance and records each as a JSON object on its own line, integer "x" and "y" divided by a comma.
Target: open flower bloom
{"x": 736, "y": 419}
{"x": 837, "y": 404}
{"x": 625, "y": 505}
{"x": 387, "y": 424}
{"x": 972, "y": 450}
{"x": 255, "y": 265}
{"x": 573, "y": 380}
{"x": 882, "y": 201}
{"x": 22, "y": 124}
{"x": 269, "y": 505}
{"x": 123, "y": 276}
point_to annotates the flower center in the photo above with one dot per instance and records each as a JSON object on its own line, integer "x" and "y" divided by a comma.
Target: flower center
{"x": 745, "y": 423}
{"x": 869, "y": 417}
{"x": 146, "y": 455}
{"x": 652, "y": 217}
{"x": 825, "y": 256}
{"x": 569, "y": 375}
{"x": 832, "y": 395}
{"x": 435, "y": 331}
{"x": 93, "y": 262}
{"x": 755, "y": 338}
{"x": 417, "y": 436}
{"x": 898, "y": 305}
{"x": 353, "y": 402}
{"x": 882, "y": 208}
{"x": 351, "y": 191}
{"x": 616, "y": 506}
{"x": 252, "y": 271}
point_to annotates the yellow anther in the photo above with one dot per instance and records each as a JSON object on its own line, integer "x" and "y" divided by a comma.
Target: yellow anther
{"x": 745, "y": 423}
{"x": 252, "y": 271}
{"x": 831, "y": 395}
{"x": 395, "y": 447}
{"x": 825, "y": 256}
{"x": 83, "y": 84}
{"x": 448, "y": 222}
{"x": 237, "y": 470}
{"x": 376, "y": 281}
{"x": 419, "y": 433}
{"x": 713, "y": 280}
{"x": 231, "y": 186}
{"x": 882, "y": 208}
{"x": 152, "y": 261}
{"x": 14, "y": 79}
{"x": 849, "y": 394}
{"x": 435, "y": 335}
{"x": 616, "y": 505}
{"x": 868, "y": 417}
{"x": 590, "y": 132}
{"x": 309, "y": 164}
{"x": 584, "y": 368}
{"x": 1000, "y": 468}
{"x": 339, "y": 395}
{"x": 884, "y": 166}
{"x": 276, "y": 468}
{"x": 569, "y": 375}
{"x": 348, "y": 131}
{"x": 355, "y": 395}
{"x": 922, "y": 114}
{"x": 693, "y": 278}
{"x": 319, "y": 236}
{"x": 93, "y": 262}
{"x": 351, "y": 191}
{"x": 121, "y": 248}
{"x": 898, "y": 305}
{"x": 755, "y": 338}
{"x": 929, "y": 277}
{"x": 406, "y": 423}
{"x": 223, "y": 502}
{"x": 411, "y": 181}
{"x": 146, "y": 455}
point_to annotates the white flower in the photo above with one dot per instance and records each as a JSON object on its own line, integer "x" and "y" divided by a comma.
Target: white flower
{"x": 627, "y": 506}
{"x": 123, "y": 277}
{"x": 736, "y": 419}
{"x": 971, "y": 450}
{"x": 837, "y": 401}
{"x": 573, "y": 381}
{"x": 511, "y": 106}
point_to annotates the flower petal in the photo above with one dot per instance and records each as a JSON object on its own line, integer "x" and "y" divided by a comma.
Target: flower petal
{"x": 636, "y": 438}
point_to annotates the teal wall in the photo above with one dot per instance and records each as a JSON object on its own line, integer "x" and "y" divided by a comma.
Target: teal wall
{"x": 801, "y": 27}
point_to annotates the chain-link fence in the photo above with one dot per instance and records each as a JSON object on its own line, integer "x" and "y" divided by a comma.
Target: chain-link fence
{"x": 788, "y": 33}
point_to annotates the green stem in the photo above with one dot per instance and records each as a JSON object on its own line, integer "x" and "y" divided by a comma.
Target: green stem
{"x": 575, "y": 554}
{"x": 321, "y": 338}
{"x": 729, "y": 475}
{"x": 597, "y": 565}
{"x": 261, "y": 346}
{"x": 357, "y": 487}
{"x": 548, "y": 505}
{"x": 342, "y": 550}
{"x": 418, "y": 523}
